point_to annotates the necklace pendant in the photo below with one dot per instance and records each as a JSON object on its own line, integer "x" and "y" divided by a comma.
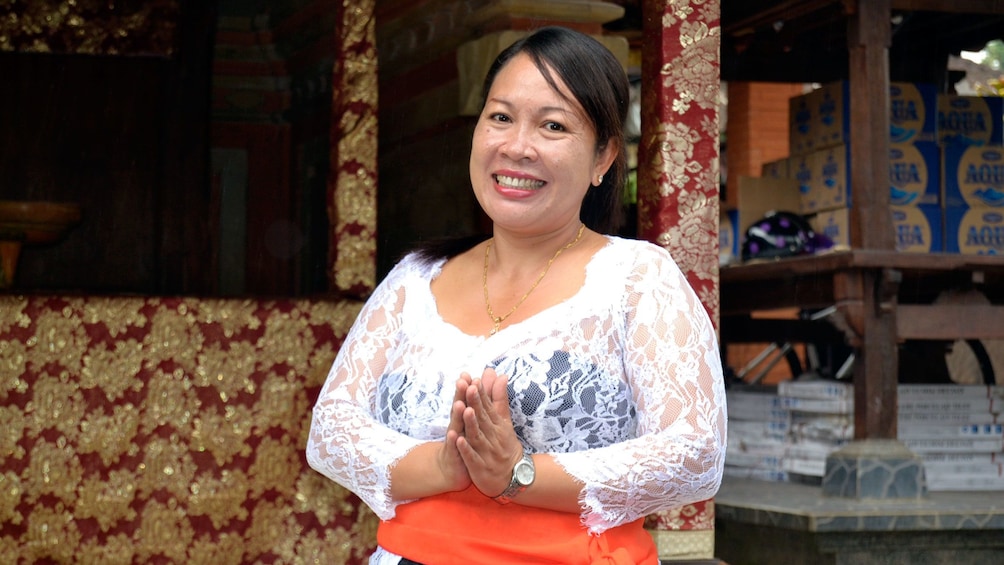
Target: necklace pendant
{"x": 495, "y": 329}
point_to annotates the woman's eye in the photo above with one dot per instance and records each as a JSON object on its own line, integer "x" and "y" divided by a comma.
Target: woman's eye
{"x": 554, "y": 126}
{"x": 498, "y": 117}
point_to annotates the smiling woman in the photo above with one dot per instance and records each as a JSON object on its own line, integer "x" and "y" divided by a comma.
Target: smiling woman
{"x": 546, "y": 433}
{"x": 534, "y": 154}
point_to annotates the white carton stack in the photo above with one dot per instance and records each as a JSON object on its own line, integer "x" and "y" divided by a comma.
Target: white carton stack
{"x": 822, "y": 420}
{"x": 758, "y": 434}
{"x": 958, "y": 431}
{"x": 786, "y": 433}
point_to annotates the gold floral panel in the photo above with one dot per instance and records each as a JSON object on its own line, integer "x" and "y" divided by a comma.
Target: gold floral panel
{"x": 678, "y": 179}
{"x": 169, "y": 430}
{"x": 122, "y": 27}
{"x": 678, "y": 162}
{"x": 352, "y": 183}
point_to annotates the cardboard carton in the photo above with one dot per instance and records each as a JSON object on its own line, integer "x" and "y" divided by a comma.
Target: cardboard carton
{"x": 970, "y": 120}
{"x": 821, "y": 118}
{"x": 974, "y": 231}
{"x": 918, "y": 228}
{"x": 973, "y": 176}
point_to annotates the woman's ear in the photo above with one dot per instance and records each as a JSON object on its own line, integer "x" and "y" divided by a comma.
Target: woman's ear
{"x": 604, "y": 158}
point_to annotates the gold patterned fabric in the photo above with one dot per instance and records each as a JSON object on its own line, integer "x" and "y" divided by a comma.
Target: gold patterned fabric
{"x": 352, "y": 184}
{"x": 123, "y": 27}
{"x": 169, "y": 430}
{"x": 678, "y": 175}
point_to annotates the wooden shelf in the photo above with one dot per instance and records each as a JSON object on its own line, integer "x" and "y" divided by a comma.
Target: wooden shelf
{"x": 881, "y": 298}
{"x": 815, "y": 282}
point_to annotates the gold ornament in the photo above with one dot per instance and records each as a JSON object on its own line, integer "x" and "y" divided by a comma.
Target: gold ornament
{"x": 497, "y": 320}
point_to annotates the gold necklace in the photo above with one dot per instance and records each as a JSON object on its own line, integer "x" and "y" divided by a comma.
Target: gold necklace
{"x": 497, "y": 320}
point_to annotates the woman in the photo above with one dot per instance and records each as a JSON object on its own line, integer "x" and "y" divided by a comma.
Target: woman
{"x": 532, "y": 397}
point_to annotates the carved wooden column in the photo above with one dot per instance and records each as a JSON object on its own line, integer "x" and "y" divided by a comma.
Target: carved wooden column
{"x": 678, "y": 182}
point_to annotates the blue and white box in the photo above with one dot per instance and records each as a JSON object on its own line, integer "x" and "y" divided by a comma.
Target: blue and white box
{"x": 974, "y": 231}
{"x": 973, "y": 176}
{"x": 918, "y": 228}
{"x": 970, "y": 120}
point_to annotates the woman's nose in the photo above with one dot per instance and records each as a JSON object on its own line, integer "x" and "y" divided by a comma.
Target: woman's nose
{"x": 519, "y": 144}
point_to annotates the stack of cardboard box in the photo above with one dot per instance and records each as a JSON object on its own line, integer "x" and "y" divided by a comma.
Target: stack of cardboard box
{"x": 957, "y": 431}
{"x": 946, "y": 170}
{"x": 970, "y": 134}
{"x": 820, "y": 137}
{"x": 758, "y": 434}
{"x": 822, "y": 420}
{"x": 785, "y": 433}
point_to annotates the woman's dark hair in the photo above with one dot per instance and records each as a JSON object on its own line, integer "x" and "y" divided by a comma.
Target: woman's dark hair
{"x": 599, "y": 85}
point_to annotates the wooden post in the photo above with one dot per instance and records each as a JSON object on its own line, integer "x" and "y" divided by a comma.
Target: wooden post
{"x": 876, "y": 365}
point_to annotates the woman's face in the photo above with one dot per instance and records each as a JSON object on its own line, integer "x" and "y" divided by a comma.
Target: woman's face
{"x": 533, "y": 154}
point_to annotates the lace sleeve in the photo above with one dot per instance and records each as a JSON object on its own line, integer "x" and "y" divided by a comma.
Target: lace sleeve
{"x": 346, "y": 442}
{"x": 673, "y": 365}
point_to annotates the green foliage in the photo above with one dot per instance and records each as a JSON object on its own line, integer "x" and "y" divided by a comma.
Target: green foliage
{"x": 994, "y": 55}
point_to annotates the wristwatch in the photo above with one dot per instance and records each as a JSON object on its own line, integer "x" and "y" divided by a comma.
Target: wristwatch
{"x": 522, "y": 476}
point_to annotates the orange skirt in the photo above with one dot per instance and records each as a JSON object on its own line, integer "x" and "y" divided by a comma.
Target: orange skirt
{"x": 467, "y": 527}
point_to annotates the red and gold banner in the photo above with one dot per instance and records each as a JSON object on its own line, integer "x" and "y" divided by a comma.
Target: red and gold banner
{"x": 169, "y": 430}
{"x": 352, "y": 182}
{"x": 678, "y": 186}
{"x": 678, "y": 179}
{"x": 126, "y": 27}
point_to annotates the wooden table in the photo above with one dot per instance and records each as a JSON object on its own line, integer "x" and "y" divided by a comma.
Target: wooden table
{"x": 881, "y": 298}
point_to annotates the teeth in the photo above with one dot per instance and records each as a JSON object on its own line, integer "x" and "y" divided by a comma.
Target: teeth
{"x": 513, "y": 182}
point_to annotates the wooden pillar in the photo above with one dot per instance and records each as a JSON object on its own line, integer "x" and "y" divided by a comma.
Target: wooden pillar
{"x": 876, "y": 370}
{"x": 678, "y": 183}
{"x": 866, "y": 299}
{"x": 869, "y": 36}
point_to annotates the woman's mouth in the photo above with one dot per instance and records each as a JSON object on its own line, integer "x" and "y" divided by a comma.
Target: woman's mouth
{"x": 518, "y": 183}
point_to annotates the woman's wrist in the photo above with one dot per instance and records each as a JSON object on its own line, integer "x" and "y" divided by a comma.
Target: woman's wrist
{"x": 422, "y": 472}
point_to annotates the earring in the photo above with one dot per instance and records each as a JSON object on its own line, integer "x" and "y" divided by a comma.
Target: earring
{"x": 599, "y": 180}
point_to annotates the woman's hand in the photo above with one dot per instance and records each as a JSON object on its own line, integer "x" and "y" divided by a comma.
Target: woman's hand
{"x": 451, "y": 465}
{"x": 435, "y": 467}
{"x": 488, "y": 447}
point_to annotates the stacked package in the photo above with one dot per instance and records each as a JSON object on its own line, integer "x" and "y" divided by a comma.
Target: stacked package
{"x": 758, "y": 434}
{"x": 958, "y": 431}
{"x": 819, "y": 138}
{"x": 971, "y": 138}
{"x": 946, "y": 187}
{"x": 822, "y": 420}
{"x": 785, "y": 433}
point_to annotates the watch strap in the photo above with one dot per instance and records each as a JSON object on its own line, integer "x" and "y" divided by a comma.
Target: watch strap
{"x": 515, "y": 486}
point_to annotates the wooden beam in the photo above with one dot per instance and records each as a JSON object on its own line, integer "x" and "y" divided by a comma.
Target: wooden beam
{"x": 784, "y": 10}
{"x": 871, "y": 293}
{"x": 949, "y": 321}
{"x": 951, "y": 6}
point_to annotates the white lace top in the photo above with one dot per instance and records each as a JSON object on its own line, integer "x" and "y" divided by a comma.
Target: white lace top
{"x": 622, "y": 384}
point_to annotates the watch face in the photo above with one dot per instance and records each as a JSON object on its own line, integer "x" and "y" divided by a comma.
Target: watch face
{"x": 524, "y": 472}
